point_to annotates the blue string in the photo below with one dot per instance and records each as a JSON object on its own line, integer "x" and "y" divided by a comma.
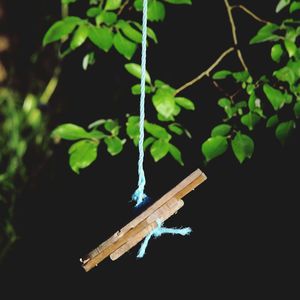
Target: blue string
{"x": 157, "y": 232}
{"x": 139, "y": 195}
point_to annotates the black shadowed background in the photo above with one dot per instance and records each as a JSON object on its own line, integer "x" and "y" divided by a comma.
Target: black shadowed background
{"x": 242, "y": 216}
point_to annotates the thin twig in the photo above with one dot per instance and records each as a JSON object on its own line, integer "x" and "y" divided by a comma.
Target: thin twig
{"x": 122, "y": 7}
{"x": 250, "y": 13}
{"x": 216, "y": 84}
{"x": 64, "y": 10}
{"x": 234, "y": 34}
{"x": 206, "y": 72}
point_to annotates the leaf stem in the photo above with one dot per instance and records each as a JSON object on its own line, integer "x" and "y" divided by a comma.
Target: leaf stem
{"x": 64, "y": 10}
{"x": 206, "y": 72}
{"x": 122, "y": 7}
{"x": 250, "y": 13}
{"x": 51, "y": 86}
{"x": 229, "y": 9}
{"x": 216, "y": 84}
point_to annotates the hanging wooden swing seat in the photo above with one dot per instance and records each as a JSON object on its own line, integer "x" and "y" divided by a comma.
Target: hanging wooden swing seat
{"x": 135, "y": 231}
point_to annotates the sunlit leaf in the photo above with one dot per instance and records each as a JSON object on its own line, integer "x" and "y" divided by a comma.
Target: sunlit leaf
{"x": 242, "y": 146}
{"x": 82, "y": 154}
{"x": 214, "y": 147}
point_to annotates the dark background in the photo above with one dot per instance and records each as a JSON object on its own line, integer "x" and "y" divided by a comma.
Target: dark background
{"x": 243, "y": 217}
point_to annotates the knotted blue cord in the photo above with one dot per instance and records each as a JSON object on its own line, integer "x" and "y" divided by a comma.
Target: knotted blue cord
{"x": 157, "y": 232}
{"x": 139, "y": 195}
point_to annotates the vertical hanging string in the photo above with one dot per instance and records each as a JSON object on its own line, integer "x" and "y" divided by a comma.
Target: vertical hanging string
{"x": 139, "y": 195}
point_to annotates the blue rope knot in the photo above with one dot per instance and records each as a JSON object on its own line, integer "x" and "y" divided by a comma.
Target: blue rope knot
{"x": 158, "y": 231}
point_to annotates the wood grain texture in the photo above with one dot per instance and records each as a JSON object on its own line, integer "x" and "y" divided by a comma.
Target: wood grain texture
{"x": 141, "y": 224}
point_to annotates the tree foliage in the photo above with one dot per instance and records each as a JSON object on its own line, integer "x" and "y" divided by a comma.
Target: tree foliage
{"x": 257, "y": 100}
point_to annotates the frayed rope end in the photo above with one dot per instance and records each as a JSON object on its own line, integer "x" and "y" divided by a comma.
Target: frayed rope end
{"x": 157, "y": 232}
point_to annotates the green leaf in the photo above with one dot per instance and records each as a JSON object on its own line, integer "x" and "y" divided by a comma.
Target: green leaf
{"x": 159, "y": 149}
{"x": 160, "y": 84}
{"x": 60, "y": 29}
{"x": 138, "y": 5}
{"x": 185, "y": 103}
{"x": 96, "y": 134}
{"x": 176, "y": 129}
{"x": 252, "y": 102}
{"x": 148, "y": 141}
{"x": 97, "y": 123}
{"x": 136, "y": 70}
{"x": 297, "y": 109}
{"x": 112, "y": 127}
{"x": 265, "y": 34}
{"x": 68, "y": 1}
{"x": 150, "y": 33}
{"x": 294, "y": 6}
{"x": 276, "y": 52}
{"x": 82, "y": 154}
{"x": 285, "y": 74}
{"x": 136, "y": 89}
{"x": 239, "y": 107}
{"x": 272, "y": 121}
{"x": 80, "y": 36}
{"x": 156, "y": 11}
{"x": 114, "y": 145}
{"x": 102, "y": 37}
{"x": 70, "y": 132}
{"x": 241, "y": 76}
{"x": 124, "y": 46}
{"x": 221, "y": 130}
{"x": 224, "y": 102}
{"x": 276, "y": 98}
{"x": 290, "y": 47}
{"x": 189, "y": 2}
{"x": 89, "y": 59}
{"x": 283, "y": 131}
{"x": 163, "y": 119}
{"x": 164, "y": 103}
{"x": 175, "y": 152}
{"x": 93, "y": 12}
{"x": 250, "y": 120}
{"x": 214, "y": 147}
{"x": 129, "y": 31}
{"x": 282, "y": 4}
{"x": 109, "y": 18}
{"x": 112, "y": 4}
{"x": 157, "y": 131}
{"x": 132, "y": 128}
{"x": 222, "y": 74}
{"x": 242, "y": 146}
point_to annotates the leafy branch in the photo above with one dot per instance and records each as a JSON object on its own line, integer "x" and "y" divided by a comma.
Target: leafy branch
{"x": 254, "y": 100}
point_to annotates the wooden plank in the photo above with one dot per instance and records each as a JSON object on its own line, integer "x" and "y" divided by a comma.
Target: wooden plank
{"x": 138, "y": 224}
{"x": 179, "y": 191}
{"x": 163, "y": 213}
